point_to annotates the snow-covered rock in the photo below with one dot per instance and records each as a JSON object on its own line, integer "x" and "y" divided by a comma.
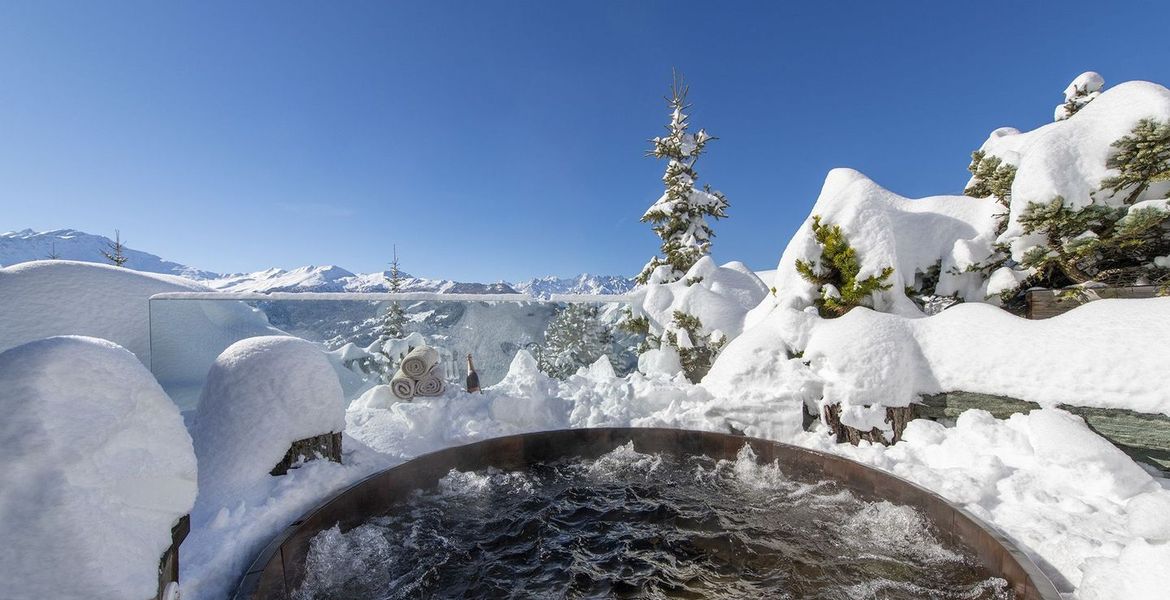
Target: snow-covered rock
{"x": 1104, "y": 354}
{"x": 98, "y": 467}
{"x": 261, "y": 395}
{"x": 888, "y": 230}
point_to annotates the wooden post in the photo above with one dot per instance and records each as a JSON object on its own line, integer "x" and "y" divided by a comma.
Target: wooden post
{"x": 168, "y": 565}
{"x": 326, "y": 445}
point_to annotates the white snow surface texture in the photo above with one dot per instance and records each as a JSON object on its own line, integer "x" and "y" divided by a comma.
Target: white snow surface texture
{"x": 56, "y": 297}
{"x": 98, "y": 467}
{"x": 261, "y": 395}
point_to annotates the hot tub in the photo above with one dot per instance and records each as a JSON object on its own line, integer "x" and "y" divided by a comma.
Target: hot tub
{"x": 281, "y": 568}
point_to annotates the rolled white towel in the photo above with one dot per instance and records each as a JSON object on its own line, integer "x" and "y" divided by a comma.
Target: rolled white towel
{"x": 429, "y": 385}
{"x": 420, "y": 361}
{"x": 402, "y": 386}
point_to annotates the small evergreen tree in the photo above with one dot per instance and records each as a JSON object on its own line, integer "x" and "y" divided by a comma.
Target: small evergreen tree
{"x": 575, "y": 338}
{"x": 53, "y": 254}
{"x": 1086, "y": 87}
{"x": 393, "y": 323}
{"x": 1142, "y": 158}
{"x": 696, "y": 351}
{"x": 991, "y": 177}
{"x": 836, "y": 273}
{"x": 679, "y": 216}
{"x": 115, "y": 252}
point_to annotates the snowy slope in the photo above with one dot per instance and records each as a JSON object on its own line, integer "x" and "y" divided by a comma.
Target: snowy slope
{"x": 70, "y": 244}
{"x": 329, "y": 278}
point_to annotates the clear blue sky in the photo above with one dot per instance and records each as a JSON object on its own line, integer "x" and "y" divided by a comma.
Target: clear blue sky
{"x": 504, "y": 140}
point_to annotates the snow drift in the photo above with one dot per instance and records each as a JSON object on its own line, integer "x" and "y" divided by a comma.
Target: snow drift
{"x": 47, "y": 298}
{"x": 98, "y": 468}
{"x": 261, "y": 395}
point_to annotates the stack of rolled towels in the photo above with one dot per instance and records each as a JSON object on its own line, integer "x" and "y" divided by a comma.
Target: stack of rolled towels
{"x": 418, "y": 375}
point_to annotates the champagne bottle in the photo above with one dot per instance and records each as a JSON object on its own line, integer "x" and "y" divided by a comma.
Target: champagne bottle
{"x": 472, "y": 376}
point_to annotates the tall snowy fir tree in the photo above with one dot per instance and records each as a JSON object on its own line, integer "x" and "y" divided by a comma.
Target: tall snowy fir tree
{"x": 679, "y": 216}
{"x": 575, "y": 338}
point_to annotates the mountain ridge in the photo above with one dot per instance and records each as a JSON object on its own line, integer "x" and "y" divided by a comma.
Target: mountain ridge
{"x": 71, "y": 244}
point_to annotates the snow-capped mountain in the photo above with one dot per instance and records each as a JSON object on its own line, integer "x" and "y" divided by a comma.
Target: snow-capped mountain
{"x": 328, "y": 278}
{"x": 543, "y": 287}
{"x": 70, "y": 244}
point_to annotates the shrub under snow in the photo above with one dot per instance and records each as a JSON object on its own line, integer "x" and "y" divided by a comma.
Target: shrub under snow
{"x": 98, "y": 467}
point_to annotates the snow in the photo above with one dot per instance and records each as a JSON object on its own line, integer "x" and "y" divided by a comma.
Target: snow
{"x": 1067, "y": 158}
{"x": 97, "y": 470}
{"x": 867, "y": 358}
{"x": 47, "y": 298}
{"x": 723, "y": 295}
{"x": 261, "y": 395}
{"x": 888, "y": 230}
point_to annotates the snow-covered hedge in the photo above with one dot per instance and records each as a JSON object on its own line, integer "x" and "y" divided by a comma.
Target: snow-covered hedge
{"x": 261, "y": 395}
{"x": 97, "y": 469}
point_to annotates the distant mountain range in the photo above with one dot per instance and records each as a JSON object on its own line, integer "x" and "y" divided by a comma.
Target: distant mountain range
{"x": 70, "y": 244}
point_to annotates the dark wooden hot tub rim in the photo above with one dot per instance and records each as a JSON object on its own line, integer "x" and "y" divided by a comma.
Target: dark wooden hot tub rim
{"x": 280, "y": 566}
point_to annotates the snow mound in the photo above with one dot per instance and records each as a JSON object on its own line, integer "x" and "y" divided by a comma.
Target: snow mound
{"x": 98, "y": 467}
{"x": 720, "y": 296}
{"x": 888, "y": 230}
{"x": 47, "y": 298}
{"x": 1104, "y": 354}
{"x": 261, "y": 395}
{"x": 57, "y": 297}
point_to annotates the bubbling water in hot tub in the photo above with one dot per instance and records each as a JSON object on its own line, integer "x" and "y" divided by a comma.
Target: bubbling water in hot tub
{"x": 647, "y": 526}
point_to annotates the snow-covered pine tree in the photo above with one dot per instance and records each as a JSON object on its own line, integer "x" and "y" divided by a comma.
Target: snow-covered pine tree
{"x": 53, "y": 254}
{"x": 836, "y": 273}
{"x": 1115, "y": 245}
{"x": 115, "y": 252}
{"x": 696, "y": 351}
{"x": 393, "y": 323}
{"x": 679, "y": 216}
{"x": 391, "y": 326}
{"x": 576, "y": 337}
{"x": 1080, "y": 92}
{"x": 990, "y": 176}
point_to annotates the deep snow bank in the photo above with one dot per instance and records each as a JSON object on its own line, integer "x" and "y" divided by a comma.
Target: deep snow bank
{"x": 55, "y": 297}
{"x": 888, "y": 230}
{"x": 97, "y": 469}
{"x": 1106, "y": 354}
